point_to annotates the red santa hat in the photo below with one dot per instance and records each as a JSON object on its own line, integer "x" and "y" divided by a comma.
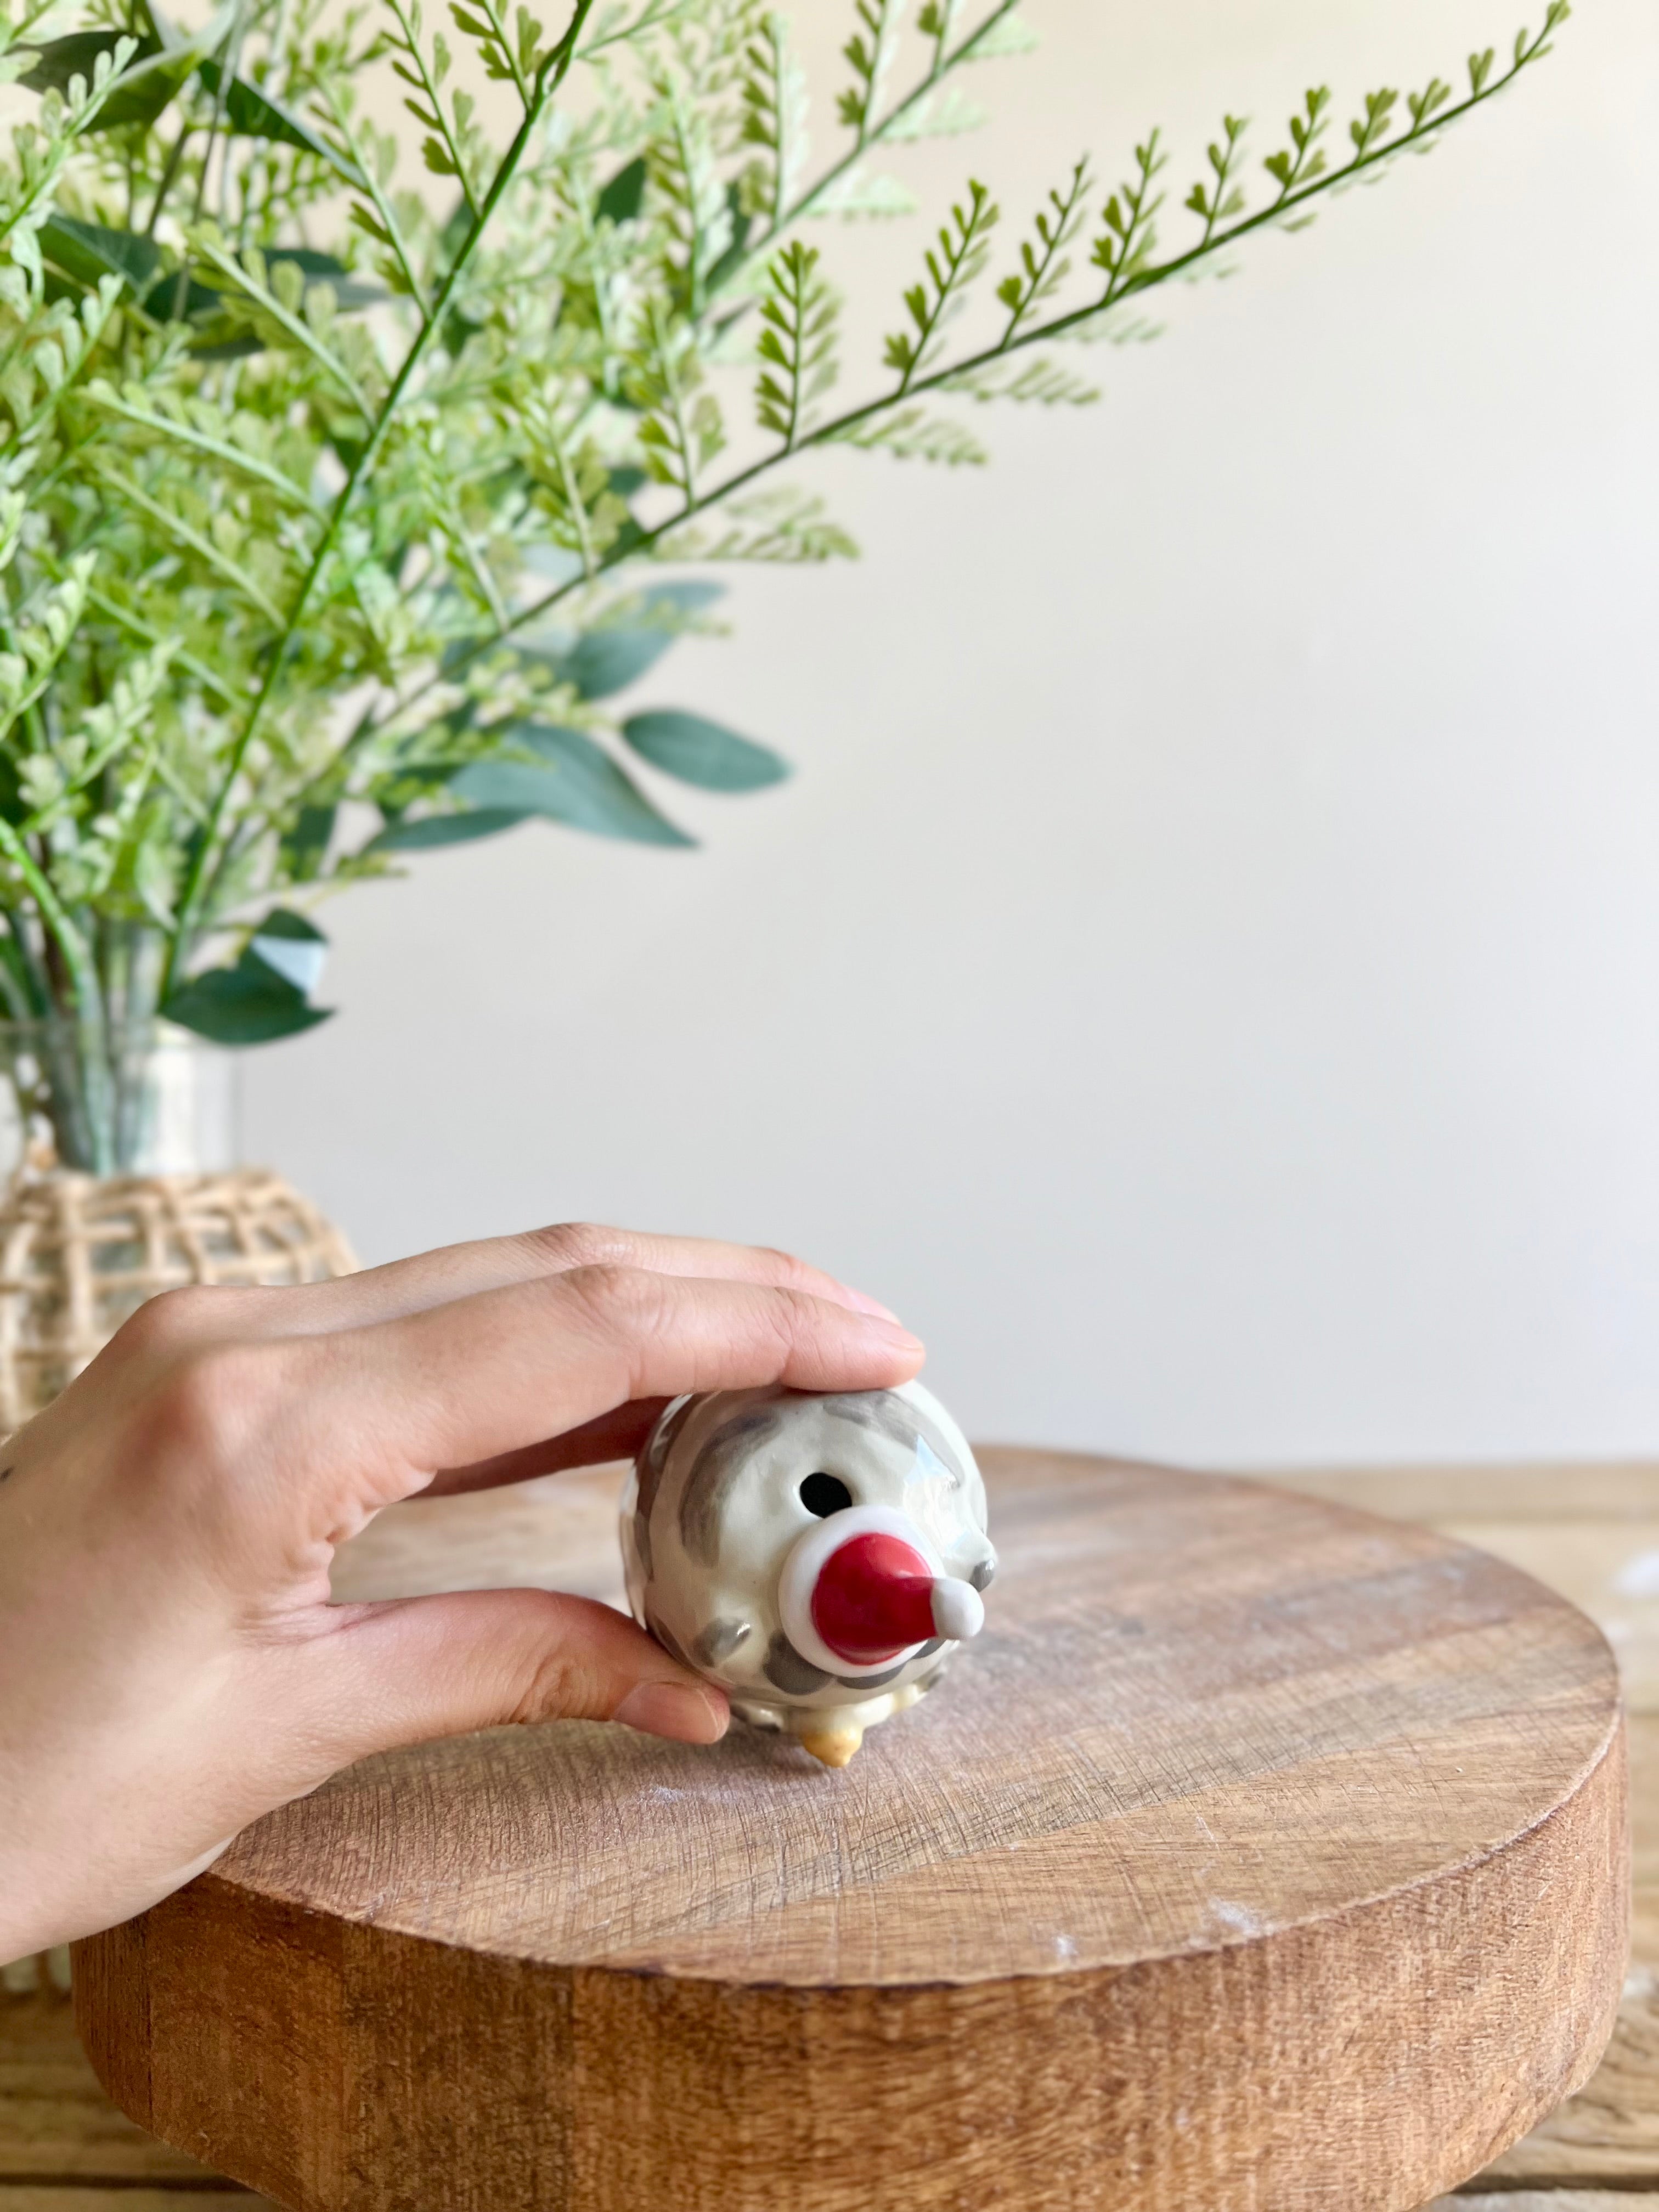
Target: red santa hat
{"x": 864, "y": 1590}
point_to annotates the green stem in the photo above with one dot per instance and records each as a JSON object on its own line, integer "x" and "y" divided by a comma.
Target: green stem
{"x": 1222, "y": 177}
{"x": 229, "y": 54}
{"x": 676, "y": 402}
{"x": 70, "y": 942}
{"x": 23, "y": 970}
{"x": 551, "y": 76}
{"x": 815, "y": 191}
{"x": 574, "y": 501}
{"x": 383, "y": 207}
{"x": 509, "y": 53}
{"x": 186, "y": 131}
{"x": 452, "y": 144}
{"x": 1058, "y": 327}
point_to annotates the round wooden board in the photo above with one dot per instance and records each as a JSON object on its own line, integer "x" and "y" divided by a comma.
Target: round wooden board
{"x": 1262, "y": 1856}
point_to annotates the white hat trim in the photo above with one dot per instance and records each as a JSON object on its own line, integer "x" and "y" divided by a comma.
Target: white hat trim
{"x": 807, "y": 1559}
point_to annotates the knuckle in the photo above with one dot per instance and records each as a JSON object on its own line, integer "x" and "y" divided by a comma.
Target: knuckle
{"x": 796, "y": 1313}
{"x": 567, "y": 1244}
{"x": 773, "y": 1323}
{"x": 793, "y": 1273}
{"x": 551, "y": 1688}
{"x": 563, "y": 1665}
{"x": 621, "y": 1297}
{"x": 217, "y": 1397}
{"x": 174, "y": 1320}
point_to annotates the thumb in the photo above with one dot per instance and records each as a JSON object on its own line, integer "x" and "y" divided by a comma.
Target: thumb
{"x": 414, "y": 1669}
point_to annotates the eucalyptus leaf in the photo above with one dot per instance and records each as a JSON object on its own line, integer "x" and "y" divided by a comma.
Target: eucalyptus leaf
{"x": 621, "y": 199}
{"x": 702, "y": 752}
{"x": 457, "y": 330}
{"x": 13, "y": 807}
{"x": 167, "y": 302}
{"x": 686, "y": 595}
{"x": 607, "y": 660}
{"x": 150, "y": 80}
{"x": 158, "y": 71}
{"x": 349, "y": 290}
{"x": 58, "y": 62}
{"x": 292, "y": 945}
{"x": 283, "y": 926}
{"x": 427, "y": 834}
{"x": 254, "y": 114}
{"x": 573, "y": 780}
{"x": 306, "y": 844}
{"x": 218, "y": 344}
{"x": 146, "y": 87}
{"x": 201, "y": 303}
{"x": 248, "y": 1004}
{"x": 91, "y": 251}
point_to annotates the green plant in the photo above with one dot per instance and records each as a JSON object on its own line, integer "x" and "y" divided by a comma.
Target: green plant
{"x": 329, "y": 519}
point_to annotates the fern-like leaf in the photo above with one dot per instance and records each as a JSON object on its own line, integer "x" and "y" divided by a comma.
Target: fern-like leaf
{"x": 951, "y": 265}
{"x": 775, "y": 115}
{"x": 910, "y": 434}
{"x": 1043, "y": 263}
{"x": 1223, "y": 197}
{"x": 869, "y": 54}
{"x": 796, "y": 341}
{"x": 1124, "y": 248}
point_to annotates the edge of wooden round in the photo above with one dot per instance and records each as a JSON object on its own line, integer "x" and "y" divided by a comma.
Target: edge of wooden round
{"x": 331, "y": 2062}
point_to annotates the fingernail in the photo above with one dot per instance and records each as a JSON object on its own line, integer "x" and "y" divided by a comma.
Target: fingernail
{"x": 674, "y": 1709}
{"x": 896, "y": 1334}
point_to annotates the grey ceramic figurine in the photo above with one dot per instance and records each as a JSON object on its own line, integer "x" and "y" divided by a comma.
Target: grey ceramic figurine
{"x": 819, "y": 1557}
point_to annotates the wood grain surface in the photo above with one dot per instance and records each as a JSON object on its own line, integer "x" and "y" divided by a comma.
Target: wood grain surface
{"x": 1262, "y": 1856}
{"x": 55, "y": 2123}
{"x": 1535, "y": 2200}
{"x": 47, "y": 2196}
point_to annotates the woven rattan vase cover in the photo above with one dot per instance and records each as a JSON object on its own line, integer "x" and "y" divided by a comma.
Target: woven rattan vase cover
{"x": 79, "y": 1253}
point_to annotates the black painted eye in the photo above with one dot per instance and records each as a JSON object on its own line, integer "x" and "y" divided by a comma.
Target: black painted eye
{"x": 824, "y": 1494}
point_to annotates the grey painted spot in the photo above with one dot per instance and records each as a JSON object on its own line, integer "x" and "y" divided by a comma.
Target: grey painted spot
{"x": 718, "y": 1641}
{"x": 713, "y": 1473}
{"x": 879, "y": 1682}
{"x": 658, "y": 1445}
{"x": 983, "y": 1573}
{"x": 786, "y": 1670}
{"x": 894, "y": 1418}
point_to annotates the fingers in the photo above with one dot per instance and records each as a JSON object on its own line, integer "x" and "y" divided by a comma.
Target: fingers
{"x": 458, "y": 1271}
{"x": 496, "y": 1373}
{"x": 420, "y": 1667}
{"x": 616, "y": 1435}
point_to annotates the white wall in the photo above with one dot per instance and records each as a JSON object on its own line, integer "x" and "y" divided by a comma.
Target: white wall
{"x": 1205, "y": 972}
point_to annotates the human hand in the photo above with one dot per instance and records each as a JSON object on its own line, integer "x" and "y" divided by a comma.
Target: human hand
{"x": 171, "y": 1667}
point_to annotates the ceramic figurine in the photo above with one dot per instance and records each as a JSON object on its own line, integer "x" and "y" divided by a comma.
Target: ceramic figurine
{"x": 819, "y": 1557}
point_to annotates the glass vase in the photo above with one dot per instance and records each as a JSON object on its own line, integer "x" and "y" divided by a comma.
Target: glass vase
{"x": 111, "y": 1098}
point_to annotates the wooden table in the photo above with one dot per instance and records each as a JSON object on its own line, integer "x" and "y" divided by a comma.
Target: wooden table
{"x": 1593, "y": 1533}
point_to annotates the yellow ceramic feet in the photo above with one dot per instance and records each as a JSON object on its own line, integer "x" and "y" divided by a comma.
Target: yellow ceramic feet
{"x": 834, "y": 1747}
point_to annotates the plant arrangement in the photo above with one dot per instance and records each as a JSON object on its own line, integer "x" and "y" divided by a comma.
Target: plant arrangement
{"x": 334, "y": 510}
